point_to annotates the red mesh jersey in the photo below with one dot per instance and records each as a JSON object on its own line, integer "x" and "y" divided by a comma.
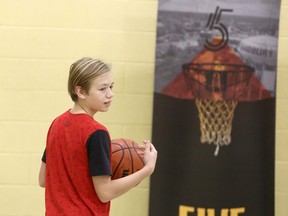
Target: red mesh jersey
{"x": 69, "y": 187}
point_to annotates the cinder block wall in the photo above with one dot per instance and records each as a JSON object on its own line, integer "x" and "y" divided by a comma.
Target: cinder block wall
{"x": 38, "y": 42}
{"x": 281, "y": 187}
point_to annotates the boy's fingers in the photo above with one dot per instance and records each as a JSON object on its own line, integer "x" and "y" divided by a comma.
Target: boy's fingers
{"x": 147, "y": 146}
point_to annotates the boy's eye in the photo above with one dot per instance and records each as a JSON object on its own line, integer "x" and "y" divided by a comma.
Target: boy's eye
{"x": 105, "y": 88}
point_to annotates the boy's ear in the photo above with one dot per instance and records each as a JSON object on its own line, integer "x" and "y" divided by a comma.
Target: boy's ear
{"x": 80, "y": 92}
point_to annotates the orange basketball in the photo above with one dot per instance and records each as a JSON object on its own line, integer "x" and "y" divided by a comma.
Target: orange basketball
{"x": 125, "y": 159}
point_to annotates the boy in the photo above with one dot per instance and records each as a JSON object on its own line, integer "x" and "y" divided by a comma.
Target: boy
{"x": 76, "y": 168}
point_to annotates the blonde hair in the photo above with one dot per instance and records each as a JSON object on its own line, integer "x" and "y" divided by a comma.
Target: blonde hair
{"x": 82, "y": 72}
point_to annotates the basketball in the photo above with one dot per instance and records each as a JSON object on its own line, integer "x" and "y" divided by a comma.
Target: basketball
{"x": 125, "y": 159}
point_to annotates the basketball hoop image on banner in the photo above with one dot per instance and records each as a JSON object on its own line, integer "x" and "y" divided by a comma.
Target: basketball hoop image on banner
{"x": 217, "y": 88}
{"x": 217, "y": 80}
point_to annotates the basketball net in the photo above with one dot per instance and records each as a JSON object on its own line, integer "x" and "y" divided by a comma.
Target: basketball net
{"x": 216, "y": 121}
{"x": 217, "y": 88}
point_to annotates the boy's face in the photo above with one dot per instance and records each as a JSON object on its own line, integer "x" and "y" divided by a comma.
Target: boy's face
{"x": 100, "y": 94}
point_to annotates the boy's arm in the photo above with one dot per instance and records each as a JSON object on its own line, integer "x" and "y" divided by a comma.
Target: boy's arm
{"x": 42, "y": 175}
{"x": 108, "y": 189}
{"x": 42, "y": 172}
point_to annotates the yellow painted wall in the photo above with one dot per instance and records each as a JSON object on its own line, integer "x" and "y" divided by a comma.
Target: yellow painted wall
{"x": 281, "y": 179}
{"x": 38, "y": 42}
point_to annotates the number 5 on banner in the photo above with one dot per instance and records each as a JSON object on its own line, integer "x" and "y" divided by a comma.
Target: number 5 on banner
{"x": 214, "y": 24}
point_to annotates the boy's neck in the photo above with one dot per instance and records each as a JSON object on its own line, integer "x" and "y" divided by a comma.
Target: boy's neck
{"x": 78, "y": 108}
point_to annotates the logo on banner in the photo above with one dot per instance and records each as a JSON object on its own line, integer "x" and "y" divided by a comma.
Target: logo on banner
{"x": 189, "y": 210}
{"x": 215, "y": 24}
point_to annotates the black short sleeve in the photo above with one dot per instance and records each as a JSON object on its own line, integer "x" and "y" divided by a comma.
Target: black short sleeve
{"x": 44, "y": 156}
{"x": 98, "y": 149}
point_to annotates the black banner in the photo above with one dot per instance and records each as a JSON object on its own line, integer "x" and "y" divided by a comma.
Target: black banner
{"x": 214, "y": 108}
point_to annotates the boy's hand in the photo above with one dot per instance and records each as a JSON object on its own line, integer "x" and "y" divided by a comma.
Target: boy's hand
{"x": 150, "y": 155}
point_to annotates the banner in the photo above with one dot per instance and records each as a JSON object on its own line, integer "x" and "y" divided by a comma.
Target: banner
{"x": 214, "y": 108}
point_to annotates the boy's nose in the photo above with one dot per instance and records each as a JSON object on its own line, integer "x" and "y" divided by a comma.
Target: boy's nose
{"x": 110, "y": 93}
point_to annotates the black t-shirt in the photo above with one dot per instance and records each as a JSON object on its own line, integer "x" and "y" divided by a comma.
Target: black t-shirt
{"x": 98, "y": 153}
